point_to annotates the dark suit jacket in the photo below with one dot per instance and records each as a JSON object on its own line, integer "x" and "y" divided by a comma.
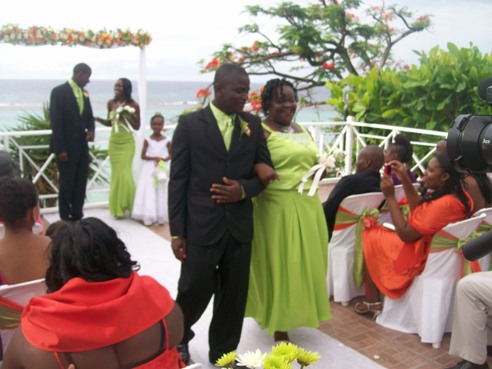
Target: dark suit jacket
{"x": 68, "y": 125}
{"x": 200, "y": 159}
{"x": 353, "y": 184}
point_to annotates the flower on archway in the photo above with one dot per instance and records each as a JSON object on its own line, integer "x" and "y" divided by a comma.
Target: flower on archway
{"x": 102, "y": 39}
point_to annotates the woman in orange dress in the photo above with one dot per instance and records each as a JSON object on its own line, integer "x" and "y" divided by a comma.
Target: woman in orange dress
{"x": 394, "y": 258}
{"x": 100, "y": 313}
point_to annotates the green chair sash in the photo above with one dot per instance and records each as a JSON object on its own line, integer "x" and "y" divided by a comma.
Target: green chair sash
{"x": 345, "y": 219}
{"x": 10, "y": 314}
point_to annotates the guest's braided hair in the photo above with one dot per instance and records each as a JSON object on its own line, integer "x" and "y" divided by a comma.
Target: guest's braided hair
{"x": 89, "y": 249}
{"x": 403, "y": 148}
{"x": 453, "y": 185}
{"x": 272, "y": 89}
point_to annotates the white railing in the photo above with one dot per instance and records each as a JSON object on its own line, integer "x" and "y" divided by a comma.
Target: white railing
{"x": 348, "y": 137}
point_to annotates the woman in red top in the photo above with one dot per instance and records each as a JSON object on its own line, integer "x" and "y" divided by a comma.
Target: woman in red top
{"x": 99, "y": 313}
{"x": 394, "y": 258}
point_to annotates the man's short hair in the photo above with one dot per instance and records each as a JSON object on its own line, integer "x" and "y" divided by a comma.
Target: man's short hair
{"x": 81, "y": 68}
{"x": 225, "y": 71}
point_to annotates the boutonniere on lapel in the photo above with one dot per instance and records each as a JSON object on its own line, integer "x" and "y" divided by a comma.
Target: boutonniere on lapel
{"x": 245, "y": 128}
{"x": 86, "y": 94}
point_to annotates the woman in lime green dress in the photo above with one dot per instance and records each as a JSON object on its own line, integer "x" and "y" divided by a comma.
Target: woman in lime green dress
{"x": 123, "y": 117}
{"x": 290, "y": 247}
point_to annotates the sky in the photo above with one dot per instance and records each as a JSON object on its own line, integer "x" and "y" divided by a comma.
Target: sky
{"x": 184, "y": 32}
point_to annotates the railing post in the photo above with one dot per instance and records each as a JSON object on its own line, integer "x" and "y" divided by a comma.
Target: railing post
{"x": 6, "y": 143}
{"x": 349, "y": 145}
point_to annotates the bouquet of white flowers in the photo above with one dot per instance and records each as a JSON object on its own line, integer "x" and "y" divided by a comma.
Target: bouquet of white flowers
{"x": 160, "y": 174}
{"x": 123, "y": 115}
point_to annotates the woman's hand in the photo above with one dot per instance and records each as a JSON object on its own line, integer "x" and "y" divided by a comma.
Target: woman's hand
{"x": 387, "y": 186}
{"x": 265, "y": 173}
{"x": 398, "y": 168}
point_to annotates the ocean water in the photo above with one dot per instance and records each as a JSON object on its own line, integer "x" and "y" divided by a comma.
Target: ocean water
{"x": 170, "y": 98}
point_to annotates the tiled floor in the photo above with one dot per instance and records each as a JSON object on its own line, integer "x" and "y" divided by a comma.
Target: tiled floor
{"x": 389, "y": 348}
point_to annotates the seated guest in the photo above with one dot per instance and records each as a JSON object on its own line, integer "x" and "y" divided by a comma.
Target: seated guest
{"x": 441, "y": 147}
{"x": 394, "y": 258}
{"x": 23, "y": 254}
{"x": 400, "y": 149}
{"x": 471, "y": 321}
{"x": 366, "y": 179}
{"x": 99, "y": 312}
{"x": 479, "y": 187}
{"x": 7, "y": 166}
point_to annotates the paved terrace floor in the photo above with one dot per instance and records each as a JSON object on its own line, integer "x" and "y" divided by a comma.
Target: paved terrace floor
{"x": 348, "y": 340}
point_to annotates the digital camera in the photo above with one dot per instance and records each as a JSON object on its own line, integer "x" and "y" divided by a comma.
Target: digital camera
{"x": 469, "y": 145}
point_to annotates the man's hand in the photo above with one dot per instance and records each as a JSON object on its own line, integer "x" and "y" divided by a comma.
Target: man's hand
{"x": 230, "y": 191}
{"x": 90, "y": 136}
{"x": 179, "y": 248}
{"x": 63, "y": 156}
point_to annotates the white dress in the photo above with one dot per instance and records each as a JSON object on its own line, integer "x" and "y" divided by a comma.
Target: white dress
{"x": 150, "y": 204}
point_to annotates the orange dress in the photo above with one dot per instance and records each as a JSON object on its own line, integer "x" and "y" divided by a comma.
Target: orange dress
{"x": 84, "y": 316}
{"x": 392, "y": 263}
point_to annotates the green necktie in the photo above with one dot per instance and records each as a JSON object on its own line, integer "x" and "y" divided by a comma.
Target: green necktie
{"x": 79, "y": 95}
{"x": 229, "y": 128}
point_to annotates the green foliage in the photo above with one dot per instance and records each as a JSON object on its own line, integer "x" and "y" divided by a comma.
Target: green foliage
{"x": 428, "y": 96}
{"x": 322, "y": 41}
{"x": 34, "y": 122}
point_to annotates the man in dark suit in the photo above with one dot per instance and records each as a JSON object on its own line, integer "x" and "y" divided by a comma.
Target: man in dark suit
{"x": 366, "y": 179}
{"x": 72, "y": 125}
{"x": 210, "y": 209}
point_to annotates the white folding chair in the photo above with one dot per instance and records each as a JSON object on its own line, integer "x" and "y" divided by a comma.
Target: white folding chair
{"x": 427, "y": 307}
{"x": 341, "y": 247}
{"x": 485, "y": 226}
{"x": 18, "y": 294}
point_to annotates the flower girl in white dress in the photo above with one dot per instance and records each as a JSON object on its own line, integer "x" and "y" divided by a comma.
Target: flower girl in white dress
{"x": 150, "y": 204}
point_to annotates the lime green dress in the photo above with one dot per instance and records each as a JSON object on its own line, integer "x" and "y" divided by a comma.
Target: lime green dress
{"x": 121, "y": 151}
{"x": 287, "y": 285}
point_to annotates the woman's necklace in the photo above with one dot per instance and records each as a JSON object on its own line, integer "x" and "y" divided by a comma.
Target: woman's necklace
{"x": 280, "y": 127}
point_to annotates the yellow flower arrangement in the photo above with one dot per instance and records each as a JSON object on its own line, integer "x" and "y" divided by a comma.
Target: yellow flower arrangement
{"x": 281, "y": 357}
{"x": 35, "y": 35}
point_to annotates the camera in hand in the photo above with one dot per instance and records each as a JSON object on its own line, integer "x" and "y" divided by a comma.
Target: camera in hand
{"x": 387, "y": 169}
{"x": 469, "y": 145}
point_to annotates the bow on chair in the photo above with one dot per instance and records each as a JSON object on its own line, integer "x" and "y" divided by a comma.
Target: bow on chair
{"x": 10, "y": 314}
{"x": 326, "y": 163}
{"x": 402, "y": 204}
{"x": 444, "y": 241}
{"x": 367, "y": 219}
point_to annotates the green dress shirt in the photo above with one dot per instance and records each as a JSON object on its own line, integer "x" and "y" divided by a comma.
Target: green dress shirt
{"x": 79, "y": 94}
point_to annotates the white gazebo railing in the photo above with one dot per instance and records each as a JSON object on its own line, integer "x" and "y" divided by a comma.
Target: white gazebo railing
{"x": 348, "y": 137}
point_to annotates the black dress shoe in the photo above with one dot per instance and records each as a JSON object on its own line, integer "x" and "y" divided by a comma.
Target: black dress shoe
{"x": 465, "y": 364}
{"x": 184, "y": 353}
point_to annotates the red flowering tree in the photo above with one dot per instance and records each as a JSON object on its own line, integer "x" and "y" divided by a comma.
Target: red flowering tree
{"x": 324, "y": 41}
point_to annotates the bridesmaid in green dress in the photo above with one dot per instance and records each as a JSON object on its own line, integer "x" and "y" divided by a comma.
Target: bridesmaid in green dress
{"x": 123, "y": 117}
{"x": 290, "y": 247}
